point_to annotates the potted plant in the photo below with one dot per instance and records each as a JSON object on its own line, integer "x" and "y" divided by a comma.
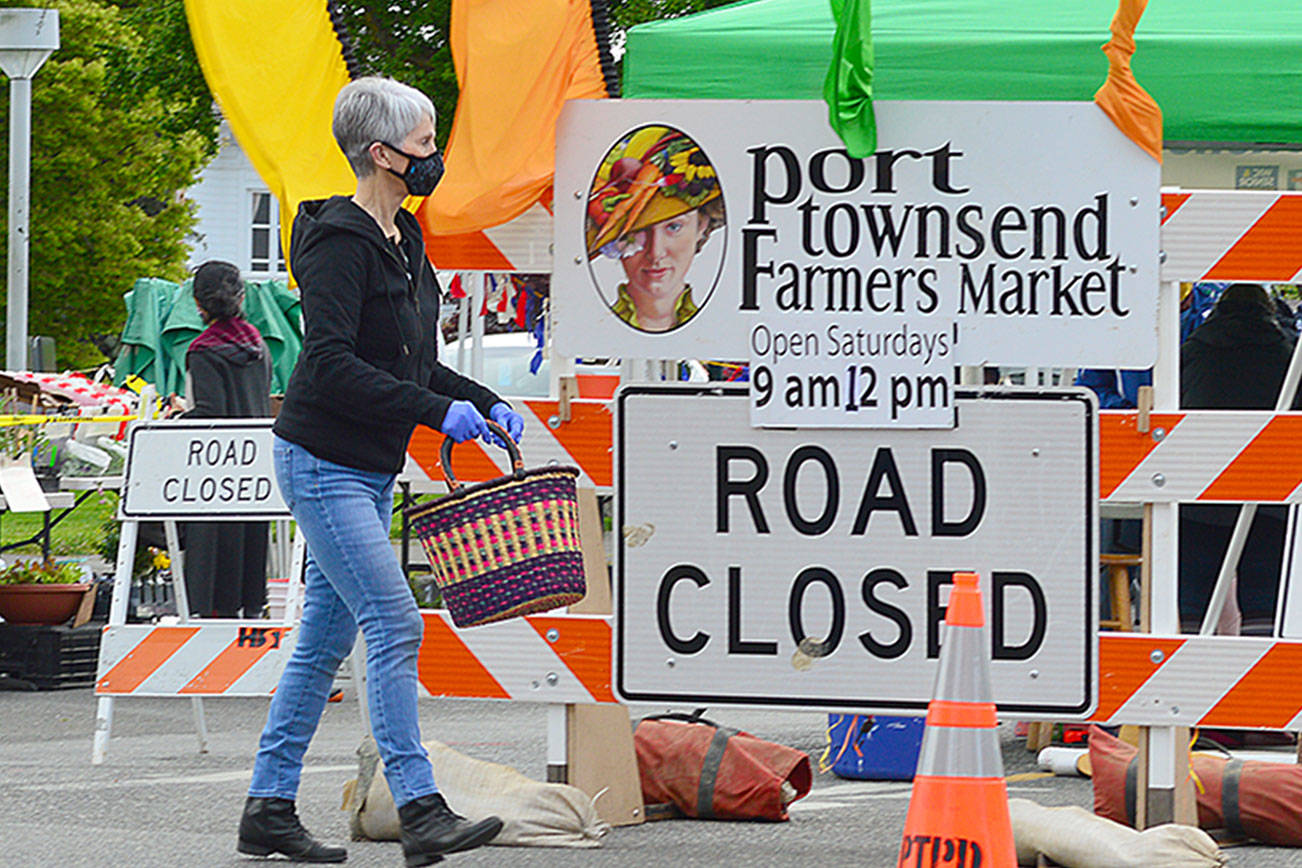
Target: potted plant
{"x": 36, "y": 592}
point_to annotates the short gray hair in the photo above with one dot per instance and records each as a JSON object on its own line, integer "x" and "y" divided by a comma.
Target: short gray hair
{"x": 376, "y": 109}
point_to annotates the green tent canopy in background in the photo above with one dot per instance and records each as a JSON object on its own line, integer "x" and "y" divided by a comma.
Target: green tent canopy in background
{"x": 162, "y": 321}
{"x": 1221, "y": 71}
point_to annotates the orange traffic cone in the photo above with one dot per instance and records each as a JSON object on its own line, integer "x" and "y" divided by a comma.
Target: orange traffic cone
{"x": 958, "y": 812}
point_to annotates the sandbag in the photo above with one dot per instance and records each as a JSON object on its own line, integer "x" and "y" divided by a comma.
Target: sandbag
{"x": 1258, "y": 800}
{"x": 1074, "y": 838}
{"x": 533, "y": 814}
{"x": 716, "y": 773}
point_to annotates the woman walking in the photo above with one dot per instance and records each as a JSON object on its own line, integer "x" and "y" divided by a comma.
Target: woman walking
{"x": 368, "y": 374}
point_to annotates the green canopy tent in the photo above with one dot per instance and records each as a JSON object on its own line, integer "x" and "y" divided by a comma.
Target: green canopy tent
{"x": 148, "y": 304}
{"x": 162, "y": 321}
{"x": 276, "y": 313}
{"x": 1222, "y": 72}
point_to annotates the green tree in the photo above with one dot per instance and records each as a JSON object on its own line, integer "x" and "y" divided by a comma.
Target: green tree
{"x": 109, "y": 165}
{"x": 165, "y": 64}
{"x": 406, "y": 40}
{"x": 627, "y": 13}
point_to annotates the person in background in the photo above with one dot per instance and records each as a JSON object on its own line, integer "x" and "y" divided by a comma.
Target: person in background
{"x": 228, "y": 375}
{"x": 367, "y": 376}
{"x": 1236, "y": 360}
{"x": 1116, "y": 390}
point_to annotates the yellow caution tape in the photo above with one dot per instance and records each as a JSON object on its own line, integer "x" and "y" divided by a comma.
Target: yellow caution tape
{"x": 31, "y": 419}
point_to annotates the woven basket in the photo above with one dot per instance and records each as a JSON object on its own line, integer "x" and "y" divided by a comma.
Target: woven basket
{"x": 506, "y": 547}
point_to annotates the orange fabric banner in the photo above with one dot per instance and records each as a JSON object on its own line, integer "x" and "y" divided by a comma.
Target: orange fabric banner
{"x": 517, "y": 62}
{"x": 1129, "y": 106}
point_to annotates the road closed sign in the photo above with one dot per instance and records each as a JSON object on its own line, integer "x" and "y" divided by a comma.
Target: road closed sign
{"x": 214, "y": 469}
{"x": 810, "y": 568}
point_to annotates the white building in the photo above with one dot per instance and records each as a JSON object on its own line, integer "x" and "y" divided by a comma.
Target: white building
{"x": 238, "y": 218}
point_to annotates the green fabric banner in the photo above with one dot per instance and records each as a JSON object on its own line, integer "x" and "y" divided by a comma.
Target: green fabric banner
{"x": 848, "y": 88}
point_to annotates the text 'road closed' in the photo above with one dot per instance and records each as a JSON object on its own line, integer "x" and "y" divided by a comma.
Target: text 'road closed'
{"x": 218, "y": 470}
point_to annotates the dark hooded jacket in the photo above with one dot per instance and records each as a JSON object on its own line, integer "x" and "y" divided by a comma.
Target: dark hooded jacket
{"x": 369, "y": 371}
{"x": 230, "y": 372}
{"x": 1237, "y": 358}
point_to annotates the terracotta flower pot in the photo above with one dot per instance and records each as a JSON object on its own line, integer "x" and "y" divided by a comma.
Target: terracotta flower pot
{"x": 40, "y": 604}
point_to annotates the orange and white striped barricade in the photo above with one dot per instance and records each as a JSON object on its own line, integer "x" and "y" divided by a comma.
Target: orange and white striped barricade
{"x": 1222, "y": 681}
{"x": 1201, "y": 456}
{"x": 576, "y": 432}
{"x": 1228, "y": 235}
{"x": 209, "y": 470}
{"x": 522, "y": 244}
{"x": 1206, "y": 235}
{"x": 553, "y": 659}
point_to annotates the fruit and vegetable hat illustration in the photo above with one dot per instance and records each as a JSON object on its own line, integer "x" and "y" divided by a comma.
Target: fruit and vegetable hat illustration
{"x": 652, "y": 174}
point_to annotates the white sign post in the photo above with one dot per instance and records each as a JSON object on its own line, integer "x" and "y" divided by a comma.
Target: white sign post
{"x": 977, "y": 233}
{"x": 774, "y": 568}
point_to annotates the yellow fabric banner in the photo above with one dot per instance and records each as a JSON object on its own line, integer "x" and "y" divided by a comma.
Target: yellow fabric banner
{"x": 1129, "y": 106}
{"x": 275, "y": 67}
{"x": 517, "y": 62}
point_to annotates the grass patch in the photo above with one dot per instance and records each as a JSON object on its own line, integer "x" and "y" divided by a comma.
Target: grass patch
{"x": 79, "y": 533}
{"x": 83, "y": 531}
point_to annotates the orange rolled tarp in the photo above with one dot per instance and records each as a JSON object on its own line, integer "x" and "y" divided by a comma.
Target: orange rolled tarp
{"x": 1121, "y": 97}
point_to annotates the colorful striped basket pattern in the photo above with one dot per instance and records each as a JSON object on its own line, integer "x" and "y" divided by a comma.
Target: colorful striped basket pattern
{"x": 506, "y": 547}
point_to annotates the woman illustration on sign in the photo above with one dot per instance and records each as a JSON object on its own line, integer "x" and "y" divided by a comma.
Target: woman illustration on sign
{"x": 653, "y": 204}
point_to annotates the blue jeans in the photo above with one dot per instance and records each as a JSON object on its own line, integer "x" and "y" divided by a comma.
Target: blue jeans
{"x": 353, "y": 580}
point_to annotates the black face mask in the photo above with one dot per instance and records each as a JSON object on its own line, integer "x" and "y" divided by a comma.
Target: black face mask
{"x": 422, "y": 174}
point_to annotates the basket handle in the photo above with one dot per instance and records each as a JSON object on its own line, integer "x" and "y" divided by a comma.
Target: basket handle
{"x": 445, "y": 455}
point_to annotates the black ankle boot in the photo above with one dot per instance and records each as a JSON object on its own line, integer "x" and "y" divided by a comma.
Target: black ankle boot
{"x": 430, "y": 828}
{"x": 271, "y": 826}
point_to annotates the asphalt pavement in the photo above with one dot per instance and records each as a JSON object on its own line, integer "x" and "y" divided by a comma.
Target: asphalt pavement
{"x": 156, "y": 801}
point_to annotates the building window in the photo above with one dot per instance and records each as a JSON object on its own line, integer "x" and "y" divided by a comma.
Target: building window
{"x": 265, "y": 227}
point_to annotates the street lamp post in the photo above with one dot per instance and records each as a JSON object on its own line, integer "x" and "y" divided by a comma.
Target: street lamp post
{"x": 27, "y": 38}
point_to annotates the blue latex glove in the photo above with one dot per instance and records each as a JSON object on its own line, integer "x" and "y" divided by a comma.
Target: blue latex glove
{"x": 463, "y": 422}
{"x": 503, "y": 415}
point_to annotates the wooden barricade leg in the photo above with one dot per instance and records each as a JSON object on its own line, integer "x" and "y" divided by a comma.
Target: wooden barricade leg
{"x": 598, "y": 739}
{"x": 1166, "y": 801}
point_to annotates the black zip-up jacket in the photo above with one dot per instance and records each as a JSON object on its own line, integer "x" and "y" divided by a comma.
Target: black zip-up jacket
{"x": 369, "y": 371}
